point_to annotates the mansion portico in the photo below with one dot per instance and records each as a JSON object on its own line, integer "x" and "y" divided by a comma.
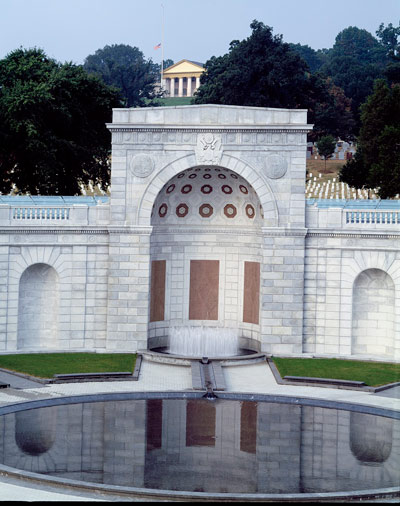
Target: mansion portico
{"x": 183, "y": 78}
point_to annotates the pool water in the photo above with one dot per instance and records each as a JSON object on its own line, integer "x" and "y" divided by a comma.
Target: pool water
{"x": 225, "y": 446}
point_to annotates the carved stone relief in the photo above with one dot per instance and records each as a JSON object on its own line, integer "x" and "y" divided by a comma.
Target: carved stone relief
{"x": 208, "y": 150}
{"x": 142, "y": 165}
{"x": 275, "y": 166}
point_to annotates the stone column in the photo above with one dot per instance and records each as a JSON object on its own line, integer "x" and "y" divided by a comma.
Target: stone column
{"x": 197, "y": 82}
{"x": 180, "y": 89}
{"x": 189, "y": 86}
{"x": 172, "y": 87}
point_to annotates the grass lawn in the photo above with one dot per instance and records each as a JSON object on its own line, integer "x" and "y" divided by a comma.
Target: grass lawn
{"x": 171, "y": 101}
{"x": 45, "y": 365}
{"x": 372, "y": 373}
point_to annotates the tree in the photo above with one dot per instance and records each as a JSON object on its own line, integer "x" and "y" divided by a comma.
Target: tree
{"x": 389, "y": 38}
{"x": 125, "y": 68}
{"x": 326, "y": 146}
{"x": 52, "y": 125}
{"x": 314, "y": 59}
{"x": 332, "y": 113}
{"x": 258, "y": 71}
{"x": 376, "y": 164}
{"x": 354, "y": 62}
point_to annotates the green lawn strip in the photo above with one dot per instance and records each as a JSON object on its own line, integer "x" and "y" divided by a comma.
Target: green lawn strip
{"x": 45, "y": 365}
{"x": 172, "y": 101}
{"x": 372, "y": 373}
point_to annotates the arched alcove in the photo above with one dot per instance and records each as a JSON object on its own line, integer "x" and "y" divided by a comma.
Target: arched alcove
{"x": 373, "y": 315}
{"x": 242, "y": 169}
{"x": 38, "y": 307}
{"x": 206, "y": 256}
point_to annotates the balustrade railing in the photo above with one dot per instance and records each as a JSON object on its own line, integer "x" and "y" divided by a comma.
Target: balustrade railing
{"x": 40, "y": 213}
{"x": 371, "y": 217}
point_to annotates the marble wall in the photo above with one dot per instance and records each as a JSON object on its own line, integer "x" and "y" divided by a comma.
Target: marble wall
{"x": 318, "y": 270}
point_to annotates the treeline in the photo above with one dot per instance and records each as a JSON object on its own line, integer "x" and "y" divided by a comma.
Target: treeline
{"x": 351, "y": 91}
{"x": 52, "y": 115}
{"x": 263, "y": 70}
{"x": 53, "y": 135}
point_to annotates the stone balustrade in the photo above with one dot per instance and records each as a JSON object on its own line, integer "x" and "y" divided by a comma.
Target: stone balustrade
{"x": 25, "y": 212}
{"x": 347, "y": 215}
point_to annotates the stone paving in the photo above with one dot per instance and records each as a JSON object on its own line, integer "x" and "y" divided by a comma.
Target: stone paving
{"x": 158, "y": 377}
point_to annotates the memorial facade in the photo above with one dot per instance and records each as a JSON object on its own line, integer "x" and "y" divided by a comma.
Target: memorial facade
{"x": 207, "y": 226}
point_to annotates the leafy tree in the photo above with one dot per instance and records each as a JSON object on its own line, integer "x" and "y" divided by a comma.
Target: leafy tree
{"x": 264, "y": 71}
{"x": 125, "y": 68}
{"x": 353, "y": 172}
{"x": 332, "y": 113}
{"x": 355, "y": 61}
{"x": 389, "y": 38}
{"x": 314, "y": 59}
{"x": 326, "y": 146}
{"x": 376, "y": 164}
{"x": 258, "y": 71}
{"x": 52, "y": 125}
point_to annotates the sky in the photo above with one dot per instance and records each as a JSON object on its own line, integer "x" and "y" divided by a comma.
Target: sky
{"x": 70, "y": 30}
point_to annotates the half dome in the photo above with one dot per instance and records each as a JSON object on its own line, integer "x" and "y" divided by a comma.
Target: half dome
{"x": 207, "y": 195}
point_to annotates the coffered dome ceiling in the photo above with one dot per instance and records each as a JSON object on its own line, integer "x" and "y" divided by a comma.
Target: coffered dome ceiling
{"x": 207, "y": 195}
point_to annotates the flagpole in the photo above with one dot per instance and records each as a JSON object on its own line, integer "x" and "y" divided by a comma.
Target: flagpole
{"x": 162, "y": 48}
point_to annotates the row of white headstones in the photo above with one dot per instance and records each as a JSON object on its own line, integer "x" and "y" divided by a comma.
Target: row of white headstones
{"x": 334, "y": 189}
{"x": 315, "y": 188}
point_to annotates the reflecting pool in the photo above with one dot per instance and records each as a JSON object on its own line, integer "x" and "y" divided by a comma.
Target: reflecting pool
{"x": 225, "y": 446}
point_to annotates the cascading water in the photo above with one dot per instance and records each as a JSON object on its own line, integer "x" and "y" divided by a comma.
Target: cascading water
{"x": 203, "y": 342}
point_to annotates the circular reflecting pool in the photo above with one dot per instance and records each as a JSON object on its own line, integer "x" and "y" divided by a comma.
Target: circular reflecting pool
{"x": 224, "y": 446}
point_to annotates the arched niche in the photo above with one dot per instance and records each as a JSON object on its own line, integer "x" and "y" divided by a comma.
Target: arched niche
{"x": 206, "y": 255}
{"x": 373, "y": 314}
{"x": 38, "y": 307}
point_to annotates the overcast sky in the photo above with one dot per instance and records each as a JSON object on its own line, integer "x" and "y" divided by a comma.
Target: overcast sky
{"x": 70, "y": 30}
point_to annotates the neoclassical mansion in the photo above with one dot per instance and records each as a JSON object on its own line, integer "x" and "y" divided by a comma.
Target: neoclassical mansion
{"x": 207, "y": 226}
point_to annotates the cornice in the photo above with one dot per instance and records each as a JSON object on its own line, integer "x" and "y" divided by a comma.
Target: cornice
{"x": 354, "y": 235}
{"x": 53, "y": 231}
{"x": 219, "y": 129}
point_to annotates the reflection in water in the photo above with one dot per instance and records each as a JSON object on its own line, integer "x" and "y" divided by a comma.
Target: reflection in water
{"x": 370, "y": 438}
{"x": 200, "y": 423}
{"x": 35, "y": 430}
{"x": 195, "y": 445}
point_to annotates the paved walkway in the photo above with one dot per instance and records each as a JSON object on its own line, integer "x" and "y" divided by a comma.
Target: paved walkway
{"x": 158, "y": 377}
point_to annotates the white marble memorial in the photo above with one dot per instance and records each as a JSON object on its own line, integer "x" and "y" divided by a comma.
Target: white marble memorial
{"x": 115, "y": 274}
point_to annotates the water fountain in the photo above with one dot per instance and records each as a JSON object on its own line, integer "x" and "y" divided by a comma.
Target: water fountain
{"x": 191, "y": 341}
